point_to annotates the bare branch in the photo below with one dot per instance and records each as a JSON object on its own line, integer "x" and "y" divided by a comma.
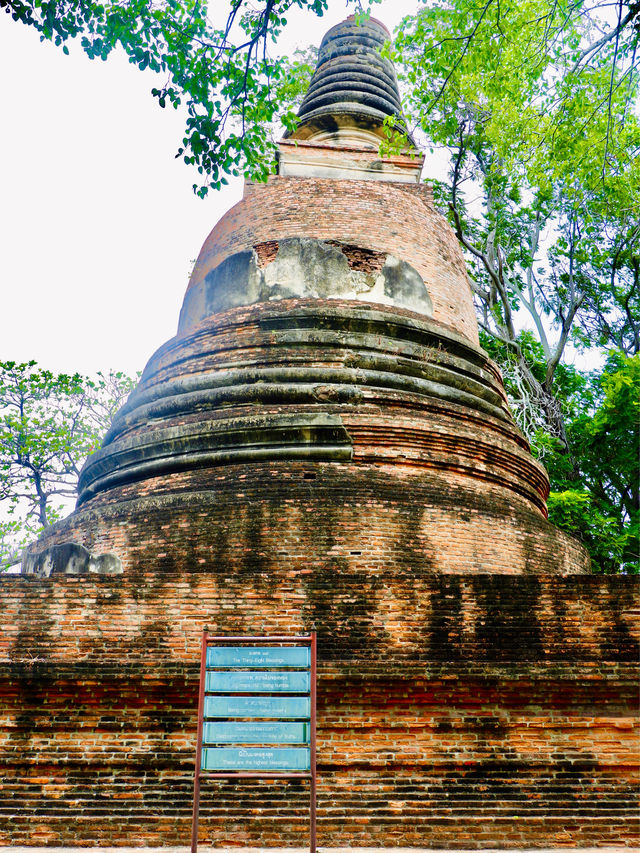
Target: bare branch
{"x": 613, "y": 72}
{"x": 634, "y": 11}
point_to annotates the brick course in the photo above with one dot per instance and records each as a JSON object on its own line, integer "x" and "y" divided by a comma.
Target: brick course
{"x": 324, "y": 517}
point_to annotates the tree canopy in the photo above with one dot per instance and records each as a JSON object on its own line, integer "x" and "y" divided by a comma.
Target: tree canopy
{"x": 602, "y": 506}
{"x": 535, "y": 103}
{"x": 49, "y": 424}
{"x": 224, "y": 75}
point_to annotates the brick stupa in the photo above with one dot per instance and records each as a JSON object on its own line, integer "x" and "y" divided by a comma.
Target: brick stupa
{"x": 325, "y": 442}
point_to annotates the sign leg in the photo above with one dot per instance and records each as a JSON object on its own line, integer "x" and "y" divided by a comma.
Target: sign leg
{"x": 198, "y": 762}
{"x": 256, "y": 694}
{"x": 196, "y": 809}
{"x": 312, "y": 739}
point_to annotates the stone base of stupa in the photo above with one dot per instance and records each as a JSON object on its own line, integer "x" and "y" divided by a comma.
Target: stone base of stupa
{"x": 314, "y": 437}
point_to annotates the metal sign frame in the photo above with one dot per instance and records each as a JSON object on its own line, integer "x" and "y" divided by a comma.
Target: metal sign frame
{"x": 212, "y": 641}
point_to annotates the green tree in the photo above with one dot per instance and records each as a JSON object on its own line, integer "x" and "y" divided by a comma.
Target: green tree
{"x": 603, "y": 507}
{"x": 232, "y": 89}
{"x": 49, "y": 424}
{"x": 595, "y": 485}
{"x": 534, "y": 101}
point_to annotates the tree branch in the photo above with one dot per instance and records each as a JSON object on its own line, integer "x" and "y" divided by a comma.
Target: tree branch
{"x": 634, "y": 11}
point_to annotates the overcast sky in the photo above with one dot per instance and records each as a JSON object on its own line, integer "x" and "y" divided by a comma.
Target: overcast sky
{"x": 98, "y": 222}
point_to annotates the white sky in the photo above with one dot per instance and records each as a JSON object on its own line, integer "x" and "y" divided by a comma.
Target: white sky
{"x": 98, "y": 222}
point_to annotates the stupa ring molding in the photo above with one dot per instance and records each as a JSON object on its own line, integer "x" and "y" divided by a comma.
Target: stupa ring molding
{"x": 368, "y": 398}
{"x": 307, "y": 436}
{"x": 331, "y": 383}
{"x": 353, "y": 96}
{"x": 356, "y": 70}
{"x": 351, "y": 86}
{"x": 354, "y": 73}
{"x": 344, "y": 44}
{"x": 371, "y": 348}
{"x": 281, "y": 384}
{"x": 348, "y": 325}
{"x": 342, "y": 65}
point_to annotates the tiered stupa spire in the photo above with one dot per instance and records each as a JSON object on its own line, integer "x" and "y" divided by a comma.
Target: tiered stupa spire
{"x": 354, "y": 89}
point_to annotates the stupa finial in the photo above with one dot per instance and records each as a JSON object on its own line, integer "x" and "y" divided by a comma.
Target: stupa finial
{"x": 354, "y": 89}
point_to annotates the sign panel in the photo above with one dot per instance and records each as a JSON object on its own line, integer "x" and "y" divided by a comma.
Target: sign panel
{"x": 269, "y": 707}
{"x": 257, "y": 713}
{"x": 252, "y": 657}
{"x": 258, "y": 682}
{"x": 256, "y": 733}
{"x": 271, "y": 758}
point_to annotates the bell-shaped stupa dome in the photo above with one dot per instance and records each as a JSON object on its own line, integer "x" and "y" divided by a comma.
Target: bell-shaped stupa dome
{"x": 323, "y": 443}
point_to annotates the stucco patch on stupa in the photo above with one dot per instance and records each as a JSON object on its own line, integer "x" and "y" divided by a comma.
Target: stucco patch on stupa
{"x": 305, "y": 268}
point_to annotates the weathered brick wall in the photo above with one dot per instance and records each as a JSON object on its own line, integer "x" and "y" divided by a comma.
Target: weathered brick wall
{"x": 386, "y": 217}
{"x": 332, "y": 519}
{"x": 461, "y": 711}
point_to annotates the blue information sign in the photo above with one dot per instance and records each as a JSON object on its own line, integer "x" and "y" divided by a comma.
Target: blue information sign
{"x": 255, "y": 732}
{"x": 257, "y": 713}
{"x": 276, "y": 681}
{"x": 252, "y": 657}
{"x": 265, "y": 707}
{"x": 256, "y": 758}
